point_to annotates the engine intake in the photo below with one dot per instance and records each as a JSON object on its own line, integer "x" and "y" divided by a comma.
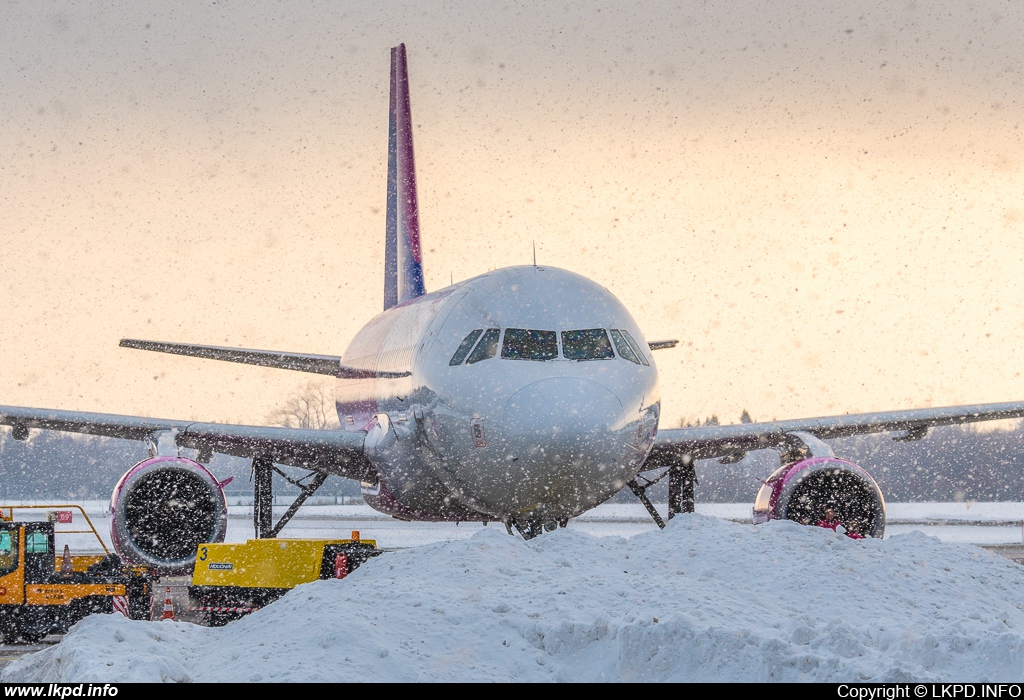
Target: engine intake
{"x": 804, "y": 489}
{"x": 162, "y": 509}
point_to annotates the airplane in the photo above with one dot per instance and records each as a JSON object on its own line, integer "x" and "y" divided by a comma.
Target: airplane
{"x": 524, "y": 396}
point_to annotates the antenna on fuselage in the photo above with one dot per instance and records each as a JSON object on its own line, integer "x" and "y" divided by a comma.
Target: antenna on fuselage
{"x": 534, "y": 253}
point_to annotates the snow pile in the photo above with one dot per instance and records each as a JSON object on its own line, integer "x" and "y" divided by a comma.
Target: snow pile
{"x": 705, "y": 600}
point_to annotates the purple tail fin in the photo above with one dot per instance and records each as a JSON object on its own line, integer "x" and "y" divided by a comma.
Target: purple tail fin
{"x": 403, "y": 265}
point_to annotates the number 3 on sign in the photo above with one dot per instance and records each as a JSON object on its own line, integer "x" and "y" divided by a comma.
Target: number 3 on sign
{"x": 202, "y": 553}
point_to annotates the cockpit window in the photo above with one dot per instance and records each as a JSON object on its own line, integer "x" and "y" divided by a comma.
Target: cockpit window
{"x": 636, "y": 348}
{"x": 467, "y": 345}
{"x": 591, "y": 344}
{"x": 625, "y": 352}
{"x": 487, "y": 346}
{"x": 522, "y": 344}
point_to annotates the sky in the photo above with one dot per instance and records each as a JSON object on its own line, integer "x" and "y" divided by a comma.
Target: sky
{"x": 823, "y": 201}
{"x": 703, "y": 600}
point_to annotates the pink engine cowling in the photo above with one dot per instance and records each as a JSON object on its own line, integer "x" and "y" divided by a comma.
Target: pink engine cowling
{"x": 804, "y": 489}
{"x": 162, "y": 509}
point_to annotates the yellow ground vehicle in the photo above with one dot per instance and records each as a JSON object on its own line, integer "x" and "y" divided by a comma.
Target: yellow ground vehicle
{"x": 44, "y": 592}
{"x": 232, "y": 580}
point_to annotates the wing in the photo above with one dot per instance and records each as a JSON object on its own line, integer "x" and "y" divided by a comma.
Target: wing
{"x": 329, "y": 451}
{"x": 732, "y": 442}
{"x": 300, "y": 362}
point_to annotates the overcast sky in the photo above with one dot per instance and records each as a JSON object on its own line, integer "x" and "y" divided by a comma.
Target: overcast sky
{"x": 823, "y": 200}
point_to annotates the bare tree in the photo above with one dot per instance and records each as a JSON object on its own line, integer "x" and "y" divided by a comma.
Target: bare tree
{"x": 312, "y": 406}
{"x": 685, "y": 422}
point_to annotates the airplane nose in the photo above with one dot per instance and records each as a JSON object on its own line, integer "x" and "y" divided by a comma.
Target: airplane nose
{"x": 560, "y": 409}
{"x": 564, "y": 438}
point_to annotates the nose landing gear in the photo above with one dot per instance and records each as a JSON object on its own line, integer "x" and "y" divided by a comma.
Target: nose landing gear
{"x": 529, "y": 529}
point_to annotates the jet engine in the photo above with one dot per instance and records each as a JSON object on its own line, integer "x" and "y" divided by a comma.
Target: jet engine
{"x": 804, "y": 489}
{"x": 162, "y": 509}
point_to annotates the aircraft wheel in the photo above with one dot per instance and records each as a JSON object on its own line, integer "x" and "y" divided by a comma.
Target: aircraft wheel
{"x": 529, "y": 529}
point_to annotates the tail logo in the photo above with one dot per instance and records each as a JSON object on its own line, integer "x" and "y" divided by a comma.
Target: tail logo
{"x": 403, "y": 265}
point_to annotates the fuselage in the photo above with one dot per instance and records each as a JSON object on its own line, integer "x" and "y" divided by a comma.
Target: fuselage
{"x": 531, "y": 397}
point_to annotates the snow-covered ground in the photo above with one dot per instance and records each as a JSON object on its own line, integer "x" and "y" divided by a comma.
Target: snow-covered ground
{"x": 705, "y": 600}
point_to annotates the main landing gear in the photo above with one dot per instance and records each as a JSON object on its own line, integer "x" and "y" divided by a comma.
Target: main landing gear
{"x": 263, "y": 496}
{"x": 682, "y": 478}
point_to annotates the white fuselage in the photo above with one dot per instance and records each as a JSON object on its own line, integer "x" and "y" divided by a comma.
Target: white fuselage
{"x": 512, "y": 428}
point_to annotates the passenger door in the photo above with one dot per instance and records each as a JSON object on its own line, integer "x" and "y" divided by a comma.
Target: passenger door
{"x": 39, "y": 556}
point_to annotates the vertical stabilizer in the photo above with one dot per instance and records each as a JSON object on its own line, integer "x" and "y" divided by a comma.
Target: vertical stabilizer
{"x": 403, "y": 266}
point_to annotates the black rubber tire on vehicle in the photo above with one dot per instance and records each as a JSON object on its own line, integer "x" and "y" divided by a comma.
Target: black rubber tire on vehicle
{"x": 8, "y": 631}
{"x": 219, "y": 619}
{"x": 33, "y": 625}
